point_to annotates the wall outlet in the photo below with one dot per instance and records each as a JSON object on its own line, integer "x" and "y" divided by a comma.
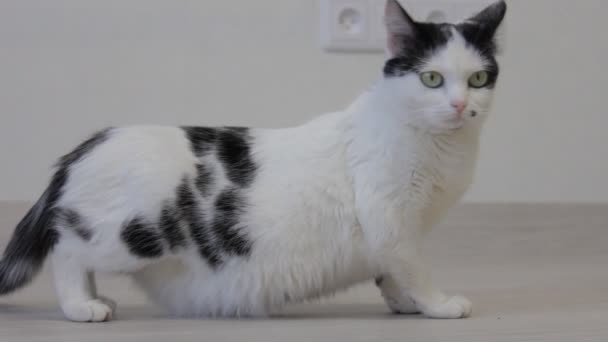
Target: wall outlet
{"x": 346, "y": 25}
{"x": 357, "y": 25}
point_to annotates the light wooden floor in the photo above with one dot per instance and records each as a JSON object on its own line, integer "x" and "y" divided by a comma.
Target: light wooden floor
{"x": 534, "y": 273}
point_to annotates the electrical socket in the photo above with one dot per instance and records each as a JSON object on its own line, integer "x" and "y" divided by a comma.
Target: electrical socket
{"x": 357, "y": 25}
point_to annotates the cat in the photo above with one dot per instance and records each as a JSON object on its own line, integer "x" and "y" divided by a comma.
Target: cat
{"x": 238, "y": 222}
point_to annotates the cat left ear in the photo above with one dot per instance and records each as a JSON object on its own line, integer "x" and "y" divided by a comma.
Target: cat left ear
{"x": 490, "y": 18}
{"x": 400, "y": 27}
{"x": 481, "y": 29}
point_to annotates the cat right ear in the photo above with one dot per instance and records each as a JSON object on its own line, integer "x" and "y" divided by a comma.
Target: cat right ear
{"x": 399, "y": 26}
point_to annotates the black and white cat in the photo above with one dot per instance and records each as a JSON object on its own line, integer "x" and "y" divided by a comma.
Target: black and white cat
{"x": 238, "y": 222}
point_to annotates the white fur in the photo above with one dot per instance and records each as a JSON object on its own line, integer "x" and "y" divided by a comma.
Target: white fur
{"x": 340, "y": 200}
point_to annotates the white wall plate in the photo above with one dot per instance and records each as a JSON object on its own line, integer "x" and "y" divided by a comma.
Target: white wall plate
{"x": 357, "y": 25}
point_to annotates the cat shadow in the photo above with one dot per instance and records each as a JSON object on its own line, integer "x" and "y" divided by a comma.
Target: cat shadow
{"x": 342, "y": 311}
{"x": 149, "y": 313}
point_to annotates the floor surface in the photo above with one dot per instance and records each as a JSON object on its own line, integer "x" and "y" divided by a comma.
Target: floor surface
{"x": 533, "y": 272}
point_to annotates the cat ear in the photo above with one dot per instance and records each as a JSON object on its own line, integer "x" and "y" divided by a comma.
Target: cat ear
{"x": 490, "y": 18}
{"x": 481, "y": 29}
{"x": 399, "y": 26}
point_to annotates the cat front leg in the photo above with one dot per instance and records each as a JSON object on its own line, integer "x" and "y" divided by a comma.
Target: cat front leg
{"x": 409, "y": 283}
{"x": 394, "y": 237}
{"x": 393, "y": 296}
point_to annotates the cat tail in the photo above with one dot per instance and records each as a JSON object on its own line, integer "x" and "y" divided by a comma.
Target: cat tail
{"x": 30, "y": 244}
{"x": 36, "y": 235}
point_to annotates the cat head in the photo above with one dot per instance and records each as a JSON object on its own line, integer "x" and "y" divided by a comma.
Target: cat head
{"x": 443, "y": 74}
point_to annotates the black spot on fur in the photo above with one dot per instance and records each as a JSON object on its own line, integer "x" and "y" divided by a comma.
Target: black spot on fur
{"x": 190, "y": 210}
{"x": 379, "y": 281}
{"x": 416, "y": 49}
{"x": 170, "y": 227}
{"x": 202, "y": 139}
{"x": 71, "y": 220}
{"x": 229, "y": 206}
{"x": 204, "y": 179}
{"x": 142, "y": 238}
{"x": 84, "y": 149}
{"x": 479, "y": 31}
{"x": 55, "y": 189}
{"x": 233, "y": 148}
{"x": 63, "y": 165}
{"x": 36, "y": 235}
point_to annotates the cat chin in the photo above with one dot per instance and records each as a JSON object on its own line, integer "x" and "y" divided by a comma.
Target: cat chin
{"x": 445, "y": 127}
{"x": 454, "y": 126}
{"x": 444, "y": 131}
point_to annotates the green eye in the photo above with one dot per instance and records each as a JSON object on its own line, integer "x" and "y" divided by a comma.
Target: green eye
{"x": 431, "y": 79}
{"x": 479, "y": 79}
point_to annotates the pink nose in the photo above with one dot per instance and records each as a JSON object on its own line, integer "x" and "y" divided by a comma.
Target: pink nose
{"x": 459, "y": 106}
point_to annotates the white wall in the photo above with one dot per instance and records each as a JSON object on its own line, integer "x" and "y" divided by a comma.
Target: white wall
{"x": 68, "y": 67}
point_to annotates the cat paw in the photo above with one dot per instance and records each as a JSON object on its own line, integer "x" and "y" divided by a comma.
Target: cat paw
{"x": 451, "y": 307}
{"x": 109, "y": 302}
{"x": 90, "y": 311}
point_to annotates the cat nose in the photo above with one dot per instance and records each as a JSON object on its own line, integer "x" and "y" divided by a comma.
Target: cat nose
{"x": 459, "y": 105}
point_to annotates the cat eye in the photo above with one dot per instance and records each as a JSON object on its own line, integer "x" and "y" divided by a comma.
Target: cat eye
{"x": 479, "y": 79}
{"x": 431, "y": 79}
